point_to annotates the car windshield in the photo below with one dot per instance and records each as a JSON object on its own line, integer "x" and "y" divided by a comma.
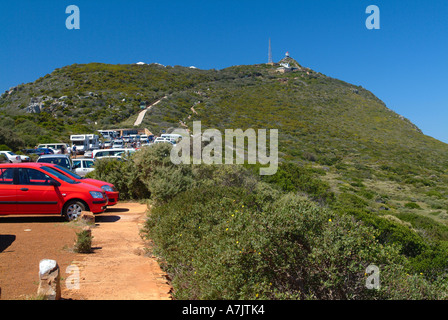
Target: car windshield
{"x": 60, "y": 161}
{"x": 59, "y": 175}
{"x": 67, "y": 172}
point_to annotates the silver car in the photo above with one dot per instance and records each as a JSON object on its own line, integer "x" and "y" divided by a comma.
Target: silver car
{"x": 12, "y": 157}
{"x": 60, "y": 159}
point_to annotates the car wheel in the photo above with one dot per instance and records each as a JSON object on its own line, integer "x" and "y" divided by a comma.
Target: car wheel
{"x": 73, "y": 209}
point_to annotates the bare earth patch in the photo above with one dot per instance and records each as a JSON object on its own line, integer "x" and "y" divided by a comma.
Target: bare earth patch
{"x": 117, "y": 269}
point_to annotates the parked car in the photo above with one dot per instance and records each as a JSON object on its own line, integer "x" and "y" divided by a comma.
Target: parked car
{"x": 36, "y": 188}
{"x": 144, "y": 138}
{"x": 113, "y": 153}
{"x": 60, "y": 159}
{"x": 83, "y": 166}
{"x": 88, "y": 154}
{"x": 111, "y": 192}
{"x": 56, "y": 147}
{"x": 11, "y": 156}
{"x": 108, "y": 144}
{"x": 117, "y": 144}
{"x": 161, "y": 140}
{"x": 38, "y": 151}
{"x": 24, "y": 158}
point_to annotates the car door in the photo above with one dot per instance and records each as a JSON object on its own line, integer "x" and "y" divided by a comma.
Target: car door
{"x": 8, "y": 191}
{"x": 35, "y": 194}
{"x": 77, "y": 166}
{"x": 87, "y": 166}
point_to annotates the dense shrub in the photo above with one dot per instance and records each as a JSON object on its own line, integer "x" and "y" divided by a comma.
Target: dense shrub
{"x": 294, "y": 178}
{"x": 232, "y": 243}
{"x": 123, "y": 175}
{"x": 389, "y": 232}
{"x": 154, "y": 169}
{"x": 224, "y": 232}
{"x": 412, "y": 205}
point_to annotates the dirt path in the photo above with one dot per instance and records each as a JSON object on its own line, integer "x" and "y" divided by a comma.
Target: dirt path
{"x": 142, "y": 114}
{"x": 117, "y": 269}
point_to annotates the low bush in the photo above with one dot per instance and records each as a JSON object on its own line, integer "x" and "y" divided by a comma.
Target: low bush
{"x": 389, "y": 232}
{"x": 412, "y": 205}
{"x": 224, "y": 232}
{"x": 83, "y": 241}
{"x": 231, "y": 236}
{"x": 294, "y": 178}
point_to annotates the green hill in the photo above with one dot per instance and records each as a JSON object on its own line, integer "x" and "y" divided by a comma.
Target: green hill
{"x": 378, "y": 164}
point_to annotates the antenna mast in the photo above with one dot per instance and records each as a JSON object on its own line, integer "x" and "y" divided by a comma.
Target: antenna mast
{"x": 270, "y": 53}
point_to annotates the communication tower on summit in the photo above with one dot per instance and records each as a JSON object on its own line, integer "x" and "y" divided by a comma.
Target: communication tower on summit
{"x": 270, "y": 53}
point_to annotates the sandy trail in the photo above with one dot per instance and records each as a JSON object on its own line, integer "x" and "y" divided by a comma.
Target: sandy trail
{"x": 119, "y": 269}
{"x": 142, "y": 114}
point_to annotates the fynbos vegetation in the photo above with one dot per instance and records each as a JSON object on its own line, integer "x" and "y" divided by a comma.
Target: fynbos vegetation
{"x": 357, "y": 185}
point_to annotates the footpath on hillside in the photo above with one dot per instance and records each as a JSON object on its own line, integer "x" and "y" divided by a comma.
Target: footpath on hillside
{"x": 142, "y": 114}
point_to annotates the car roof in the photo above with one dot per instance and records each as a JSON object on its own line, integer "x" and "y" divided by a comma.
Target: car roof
{"x": 23, "y": 165}
{"x": 54, "y": 156}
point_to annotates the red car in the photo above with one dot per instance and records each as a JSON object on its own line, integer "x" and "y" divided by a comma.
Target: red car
{"x": 35, "y": 188}
{"x": 111, "y": 192}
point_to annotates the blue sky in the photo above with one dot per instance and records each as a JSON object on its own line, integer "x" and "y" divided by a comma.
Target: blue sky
{"x": 404, "y": 63}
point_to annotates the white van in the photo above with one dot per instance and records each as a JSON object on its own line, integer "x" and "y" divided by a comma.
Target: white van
{"x": 108, "y": 134}
{"x": 81, "y": 141}
{"x": 112, "y": 153}
{"x": 94, "y": 141}
{"x": 117, "y": 144}
{"x": 172, "y": 137}
{"x": 56, "y": 146}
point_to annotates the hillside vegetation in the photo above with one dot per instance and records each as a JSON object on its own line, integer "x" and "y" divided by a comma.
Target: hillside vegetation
{"x": 344, "y": 155}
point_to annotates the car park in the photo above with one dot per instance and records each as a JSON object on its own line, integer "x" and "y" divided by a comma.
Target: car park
{"x": 36, "y": 188}
{"x": 110, "y": 190}
{"x": 60, "y": 159}
{"x": 83, "y": 166}
{"x": 11, "y": 156}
